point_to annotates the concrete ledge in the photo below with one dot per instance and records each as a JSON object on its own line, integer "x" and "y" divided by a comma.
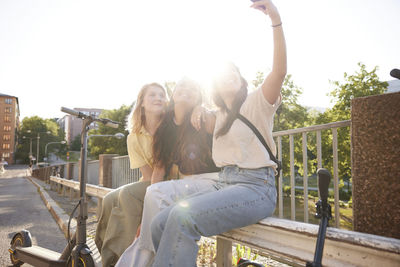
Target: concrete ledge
{"x": 296, "y": 240}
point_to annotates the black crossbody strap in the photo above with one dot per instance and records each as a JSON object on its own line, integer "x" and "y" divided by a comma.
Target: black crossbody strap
{"x": 262, "y": 140}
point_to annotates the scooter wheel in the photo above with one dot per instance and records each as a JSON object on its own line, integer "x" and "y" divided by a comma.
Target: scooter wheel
{"x": 19, "y": 240}
{"x": 85, "y": 260}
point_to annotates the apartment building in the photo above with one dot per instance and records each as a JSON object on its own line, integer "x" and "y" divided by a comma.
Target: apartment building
{"x": 9, "y": 126}
{"x": 72, "y": 126}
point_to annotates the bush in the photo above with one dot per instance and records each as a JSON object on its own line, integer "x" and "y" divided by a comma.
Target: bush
{"x": 343, "y": 195}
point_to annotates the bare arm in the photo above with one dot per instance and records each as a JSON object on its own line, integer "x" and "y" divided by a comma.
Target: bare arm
{"x": 158, "y": 175}
{"x": 202, "y": 115}
{"x": 147, "y": 172}
{"x": 272, "y": 84}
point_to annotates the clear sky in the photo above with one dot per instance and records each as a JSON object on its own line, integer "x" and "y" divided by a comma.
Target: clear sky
{"x": 97, "y": 54}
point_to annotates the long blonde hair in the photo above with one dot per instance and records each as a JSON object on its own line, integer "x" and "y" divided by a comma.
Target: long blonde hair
{"x": 136, "y": 119}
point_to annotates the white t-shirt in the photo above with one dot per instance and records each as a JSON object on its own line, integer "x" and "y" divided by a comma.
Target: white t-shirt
{"x": 240, "y": 146}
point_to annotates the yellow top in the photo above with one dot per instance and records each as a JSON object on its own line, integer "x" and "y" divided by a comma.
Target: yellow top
{"x": 140, "y": 151}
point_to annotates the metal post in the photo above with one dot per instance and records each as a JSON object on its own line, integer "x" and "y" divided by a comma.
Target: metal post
{"x": 37, "y": 152}
{"x": 30, "y": 152}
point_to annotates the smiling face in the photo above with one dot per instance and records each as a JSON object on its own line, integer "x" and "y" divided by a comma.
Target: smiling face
{"x": 228, "y": 80}
{"x": 186, "y": 94}
{"x": 154, "y": 100}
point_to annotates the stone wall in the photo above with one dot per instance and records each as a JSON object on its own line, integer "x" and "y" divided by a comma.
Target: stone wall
{"x": 375, "y": 136}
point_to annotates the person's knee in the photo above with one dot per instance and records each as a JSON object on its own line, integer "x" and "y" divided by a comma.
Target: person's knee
{"x": 181, "y": 214}
{"x": 153, "y": 195}
{"x": 110, "y": 200}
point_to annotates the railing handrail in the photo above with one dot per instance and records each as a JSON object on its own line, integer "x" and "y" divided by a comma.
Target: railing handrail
{"x": 120, "y": 157}
{"x": 319, "y": 127}
{"x": 333, "y": 126}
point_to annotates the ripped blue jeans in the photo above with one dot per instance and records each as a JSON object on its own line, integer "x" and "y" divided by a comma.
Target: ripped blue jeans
{"x": 243, "y": 197}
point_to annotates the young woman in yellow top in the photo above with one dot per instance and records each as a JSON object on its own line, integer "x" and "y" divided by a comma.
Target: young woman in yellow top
{"x": 122, "y": 208}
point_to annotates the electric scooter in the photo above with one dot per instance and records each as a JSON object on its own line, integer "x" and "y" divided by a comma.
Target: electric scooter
{"x": 323, "y": 212}
{"x": 77, "y": 252}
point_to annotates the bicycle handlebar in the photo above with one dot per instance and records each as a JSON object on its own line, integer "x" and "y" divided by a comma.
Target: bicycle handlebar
{"x": 106, "y": 122}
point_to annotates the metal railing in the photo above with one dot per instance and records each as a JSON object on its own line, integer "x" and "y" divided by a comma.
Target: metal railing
{"x": 304, "y": 131}
{"x": 122, "y": 174}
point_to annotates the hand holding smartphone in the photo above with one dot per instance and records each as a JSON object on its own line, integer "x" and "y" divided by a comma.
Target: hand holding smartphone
{"x": 263, "y": 7}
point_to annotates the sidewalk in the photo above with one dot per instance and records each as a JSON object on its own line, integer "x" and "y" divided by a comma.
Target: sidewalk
{"x": 61, "y": 207}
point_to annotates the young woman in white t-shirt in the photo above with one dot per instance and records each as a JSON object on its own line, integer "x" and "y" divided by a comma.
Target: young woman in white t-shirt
{"x": 246, "y": 188}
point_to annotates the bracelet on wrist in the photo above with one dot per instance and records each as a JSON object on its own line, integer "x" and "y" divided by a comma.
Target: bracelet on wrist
{"x": 276, "y": 25}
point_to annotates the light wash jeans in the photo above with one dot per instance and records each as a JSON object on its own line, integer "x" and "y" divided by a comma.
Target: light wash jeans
{"x": 158, "y": 197}
{"x": 244, "y": 197}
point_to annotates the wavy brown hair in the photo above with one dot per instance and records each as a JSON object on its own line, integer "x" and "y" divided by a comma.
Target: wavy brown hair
{"x": 137, "y": 119}
{"x": 240, "y": 97}
{"x": 166, "y": 137}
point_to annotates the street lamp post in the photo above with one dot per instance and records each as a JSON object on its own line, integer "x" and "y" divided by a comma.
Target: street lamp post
{"x": 37, "y": 153}
{"x": 45, "y": 148}
{"x": 30, "y": 148}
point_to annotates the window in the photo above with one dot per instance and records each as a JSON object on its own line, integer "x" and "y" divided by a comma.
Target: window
{"x": 7, "y": 128}
{"x": 6, "y": 146}
{"x": 7, "y": 118}
{"x": 6, "y": 137}
{"x": 6, "y": 155}
{"x": 8, "y": 101}
{"x": 8, "y": 110}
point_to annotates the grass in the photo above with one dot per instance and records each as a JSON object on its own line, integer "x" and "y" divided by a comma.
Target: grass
{"x": 346, "y": 213}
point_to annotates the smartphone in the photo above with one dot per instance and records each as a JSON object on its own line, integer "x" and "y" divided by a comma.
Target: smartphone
{"x": 256, "y": 1}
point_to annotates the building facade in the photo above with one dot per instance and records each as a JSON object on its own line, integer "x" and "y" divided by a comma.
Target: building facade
{"x": 72, "y": 125}
{"x": 9, "y": 126}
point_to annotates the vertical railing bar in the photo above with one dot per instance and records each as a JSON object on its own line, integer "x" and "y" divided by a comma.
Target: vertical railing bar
{"x": 305, "y": 177}
{"x": 292, "y": 182}
{"x": 335, "y": 177}
{"x": 319, "y": 150}
{"x": 280, "y": 185}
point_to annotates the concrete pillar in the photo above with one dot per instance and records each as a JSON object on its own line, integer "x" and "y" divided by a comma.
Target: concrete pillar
{"x": 105, "y": 170}
{"x": 375, "y": 142}
{"x": 69, "y": 171}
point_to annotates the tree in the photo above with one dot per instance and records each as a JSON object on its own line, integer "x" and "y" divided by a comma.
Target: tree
{"x": 76, "y": 143}
{"x": 110, "y": 145}
{"x": 30, "y": 127}
{"x": 362, "y": 83}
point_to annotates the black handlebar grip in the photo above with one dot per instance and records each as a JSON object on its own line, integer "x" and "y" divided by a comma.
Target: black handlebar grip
{"x": 111, "y": 124}
{"x": 324, "y": 178}
{"x": 70, "y": 111}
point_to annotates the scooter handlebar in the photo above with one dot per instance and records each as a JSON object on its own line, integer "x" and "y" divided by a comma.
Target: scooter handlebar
{"x": 106, "y": 122}
{"x": 324, "y": 178}
{"x": 110, "y": 123}
{"x": 70, "y": 111}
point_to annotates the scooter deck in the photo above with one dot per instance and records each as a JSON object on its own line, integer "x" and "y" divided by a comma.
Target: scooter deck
{"x": 38, "y": 256}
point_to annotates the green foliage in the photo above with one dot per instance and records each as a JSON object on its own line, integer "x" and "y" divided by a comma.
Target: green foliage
{"x": 242, "y": 252}
{"x": 291, "y": 115}
{"x": 76, "y": 143}
{"x": 110, "y": 145}
{"x": 30, "y": 127}
{"x": 362, "y": 83}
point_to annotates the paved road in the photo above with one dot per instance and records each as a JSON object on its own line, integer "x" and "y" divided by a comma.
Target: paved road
{"x": 22, "y": 208}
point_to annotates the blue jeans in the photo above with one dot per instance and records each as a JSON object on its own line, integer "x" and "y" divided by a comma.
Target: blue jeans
{"x": 244, "y": 197}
